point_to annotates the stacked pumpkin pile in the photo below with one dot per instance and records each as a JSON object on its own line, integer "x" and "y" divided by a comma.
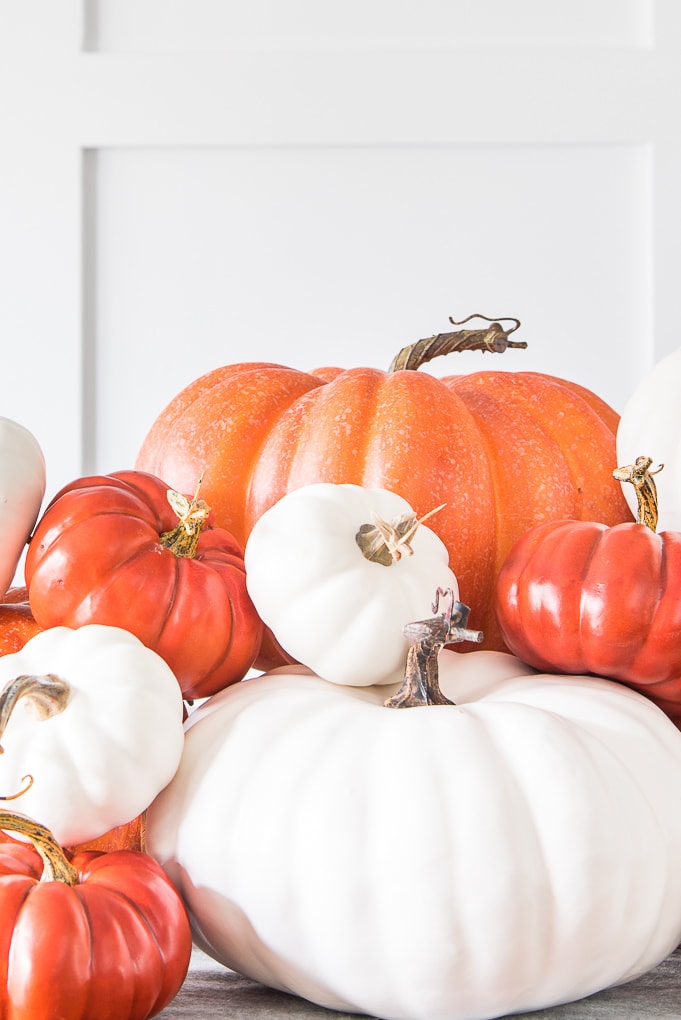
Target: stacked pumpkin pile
{"x": 375, "y": 820}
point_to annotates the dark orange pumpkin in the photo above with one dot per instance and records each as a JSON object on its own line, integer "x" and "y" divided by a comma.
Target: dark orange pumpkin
{"x": 17, "y": 623}
{"x": 503, "y": 450}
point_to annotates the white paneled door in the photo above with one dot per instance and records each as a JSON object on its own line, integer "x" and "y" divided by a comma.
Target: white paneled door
{"x": 188, "y": 184}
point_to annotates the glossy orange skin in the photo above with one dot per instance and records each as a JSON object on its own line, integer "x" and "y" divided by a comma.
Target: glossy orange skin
{"x": 96, "y": 557}
{"x": 130, "y": 836}
{"x": 503, "y": 450}
{"x": 17, "y": 623}
{"x": 579, "y": 597}
{"x": 116, "y": 946}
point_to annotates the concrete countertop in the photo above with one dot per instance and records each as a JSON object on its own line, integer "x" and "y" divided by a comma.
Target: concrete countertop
{"x": 212, "y": 991}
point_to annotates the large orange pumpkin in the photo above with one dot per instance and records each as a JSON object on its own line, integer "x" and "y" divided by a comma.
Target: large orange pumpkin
{"x": 503, "y": 450}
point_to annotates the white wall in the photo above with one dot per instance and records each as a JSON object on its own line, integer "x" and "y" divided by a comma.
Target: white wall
{"x": 191, "y": 183}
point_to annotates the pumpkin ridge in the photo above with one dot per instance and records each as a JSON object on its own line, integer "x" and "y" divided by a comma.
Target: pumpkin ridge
{"x": 115, "y": 577}
{"x": 135, "y": 981}
{"x": 288, "y": 457}
{"x": 604, "y": 410}
{"x": 663, "y": 580}
{"x": 660, "y": 632}
{"x": 516, "y": 388}
{"x": 226, "y": 647}
{"x": 594, "y": 551}
{"x": 198, "y": 427}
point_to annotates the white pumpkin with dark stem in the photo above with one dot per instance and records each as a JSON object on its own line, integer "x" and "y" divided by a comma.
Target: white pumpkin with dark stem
{"x": 515, "y": 850}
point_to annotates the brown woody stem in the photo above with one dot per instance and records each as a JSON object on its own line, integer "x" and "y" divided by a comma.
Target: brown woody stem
{"x": 56, "y": 866}
{"x": 641, "y": 477}
{"x": 421, "y": 684}
{"x": 386, "y": 542}
{"x": 48, "y": 694}
{"x": 494, "y": 339}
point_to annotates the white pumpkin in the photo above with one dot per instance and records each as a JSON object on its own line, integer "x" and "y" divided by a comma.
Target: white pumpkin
{"x": 328, "y": 604}
{"x": 95, "y": 719}
{"x": 650, "y": 426}
{"x": 518, "y": 850}
{"x": 22, "y": 487}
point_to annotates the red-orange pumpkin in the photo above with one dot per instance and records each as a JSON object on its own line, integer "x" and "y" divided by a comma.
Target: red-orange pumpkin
{"x": 96, "y": 934}
{"x": 503, "y": 450}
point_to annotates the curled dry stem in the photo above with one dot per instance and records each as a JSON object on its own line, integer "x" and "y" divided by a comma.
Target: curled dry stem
{"x": 494, "y": 339}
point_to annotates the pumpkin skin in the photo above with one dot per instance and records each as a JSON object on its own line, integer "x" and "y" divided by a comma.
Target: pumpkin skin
{"x": 115, "y": 946}
{"x": 502, "y": 450}
{"x": 575, "y": 597}
{"x": 129, "y": 836}
{"x": 17, "y": 623}
{"x": 96, "y": 557}
{"x": 438, "y": 863}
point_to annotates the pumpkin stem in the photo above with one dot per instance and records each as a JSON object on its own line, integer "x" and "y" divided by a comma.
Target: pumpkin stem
{"x": 56, "y": 866}
{"x": 386, "y": 542}
{"x": 48, "y": 695}
{"x": 192, "y": 514}
{"x": 641, "y": 477}
{"x": 28, "y": 783}
{"x": 421, "y": 684}
{"x": 493, "y": 339}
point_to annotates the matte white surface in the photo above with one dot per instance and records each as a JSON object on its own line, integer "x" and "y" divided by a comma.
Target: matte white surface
{"x": 185, "y": 184}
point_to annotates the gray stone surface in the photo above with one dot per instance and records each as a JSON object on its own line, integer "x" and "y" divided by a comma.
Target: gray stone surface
{"x": 212, "y": 991}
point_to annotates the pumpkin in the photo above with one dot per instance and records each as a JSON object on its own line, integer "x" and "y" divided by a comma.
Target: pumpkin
{"x": 129, "y": 836}
{"x": 577, "y": 596}
{"x": 17, "y": 623}
{"x": 336, "y": 572}
{"x": 650, "y": 423}
{"x": 502, "y": 450}
{"x": 94, "y": 719}
{"x": 124, "y": 550}
{"x": 22, "y": 487}
{"x": 515, "y": 850}
{"x": 98, "y": 937}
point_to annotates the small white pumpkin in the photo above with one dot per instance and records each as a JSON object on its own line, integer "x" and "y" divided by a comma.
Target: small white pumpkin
{"x": 95, "y": 719}
{"x": 650, "y": 426}
{"x": 518, "y": 850}
{"x": 337, "y": 602}
{"x": 22, "y": 487}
